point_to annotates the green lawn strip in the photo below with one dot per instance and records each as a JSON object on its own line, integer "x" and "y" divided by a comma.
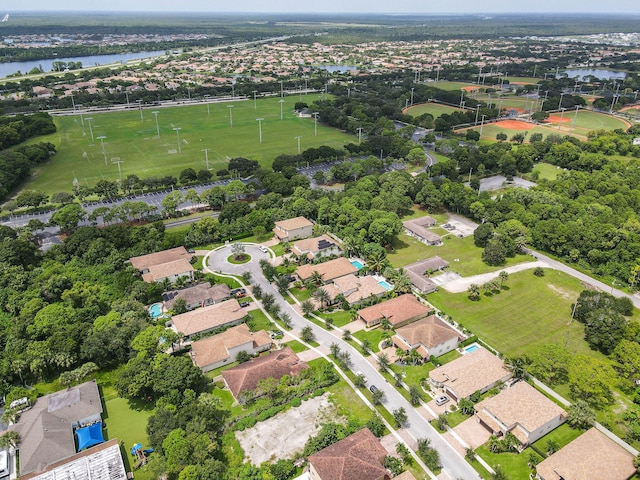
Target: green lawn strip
{"x": 296, "y": 346}
{"x": 260, "y": 321}
{"x": 519, "y": 80}
{"x": 245, "y": 259}
{"x": 374, "y": 336}
{"x": 449, "y": 356}
{"x": 456, "y": 418}
{"x": 480, "y": 469}
{"x": 413, "y": 374}
{"x": 516, "y": 321}
{"x": 562, "y": 435}
{"x": 211, "y": 374}
{"x": 229, "y": 281}
{"x": 515, "y": 465}
{"x": 145, "y": 154}
{"x": 301, "y": 294}
{"x": 406, "y": 250}
{"x": 449, "y": 85}
{"x": 340, "y": 318}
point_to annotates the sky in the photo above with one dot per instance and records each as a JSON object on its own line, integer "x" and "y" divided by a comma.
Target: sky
{"x": 331, "y": 6}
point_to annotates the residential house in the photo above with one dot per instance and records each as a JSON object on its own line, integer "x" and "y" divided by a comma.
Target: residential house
{"x": 200, "y": 295}
{"x": 360, "y": 456}
{"x": 428, "y": 336}
{"x": 206, "y": 319}
{"x": 293, "y": 228}
{"x": 417, "y": 273}
{"x": 521, "y": 410}
{"x": 47, "y": 429}
{"x": 314, "y": 247}
{"x": 245, "y": 377}
{"x": 419, "y": 228}
{"x": 354, "y": 289}
{"x": 329, "y": 271}
{"x": 398, "y": 311}
{"x": 218, "y": 350}
{"x": 476, "y": 371}
{"x": 591, "y": 456}
{"x": 102, "y": 461}
{"x": 166, "y": 265}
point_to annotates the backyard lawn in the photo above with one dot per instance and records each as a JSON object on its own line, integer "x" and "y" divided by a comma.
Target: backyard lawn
{"x": 340, "y": 318}
{"x": 374, "y": 336}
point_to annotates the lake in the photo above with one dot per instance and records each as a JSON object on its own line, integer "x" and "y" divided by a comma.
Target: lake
{"x": 596, "y": 72}
{"x": 90, "y": 61}
{"x": 337, "y": 68}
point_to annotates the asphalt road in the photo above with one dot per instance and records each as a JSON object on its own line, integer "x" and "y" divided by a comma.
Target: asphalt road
{"x": 453, "y": 464}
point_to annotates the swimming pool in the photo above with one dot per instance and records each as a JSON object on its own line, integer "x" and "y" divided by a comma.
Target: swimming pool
{"x": 357, "y": 263}
{"x": 386, "y": 285}
{"x": 155, "y": 310}
{"x": 471, "y": 348}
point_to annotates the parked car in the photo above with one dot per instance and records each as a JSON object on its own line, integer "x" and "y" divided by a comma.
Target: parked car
{"x": 373, "y": 388}
{"x": 244, "y": 304}
{"x": 263, "y": 249}
{"x": 275, "y": 334}
{"x": 442, "y": 400}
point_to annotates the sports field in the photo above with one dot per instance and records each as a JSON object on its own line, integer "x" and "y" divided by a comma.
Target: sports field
{"x": 135, "y": 141}
{"x": 434, "y": 109}
{"x": 521, "y": 104}
{"x": 446, "y": 85}
{"x": 523, "y": 80}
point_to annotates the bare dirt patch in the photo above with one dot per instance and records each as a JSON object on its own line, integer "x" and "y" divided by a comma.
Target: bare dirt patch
{"x": 514, "y": 125}
{"x": 560, "y": 292}
{"x": 559, "y": 119}
{"x": 286, "y": 433}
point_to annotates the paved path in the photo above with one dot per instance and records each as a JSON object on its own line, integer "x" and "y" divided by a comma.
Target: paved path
{"x": 460, "y": 285}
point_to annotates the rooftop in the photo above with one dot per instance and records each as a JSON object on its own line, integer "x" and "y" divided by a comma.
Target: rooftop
{"x": 216, "y": 348}
{"x": 143, "y": 262}
{"x": 208, "y": 318}
{"x": 419, "y": 226}
{"x": 591, "y": 456}
{"x": 197, "y": 293}
{"x": 471, "y": 372}
{"x": 359, "y": 456}
{"x": 293, "y": 223}
{"x": 355, "y": 288}
{"x": 430, "y": 332}
{"x": 397, "y": 310}
{"x": 330, "y": 270}
{"x": 164, "y": 270}
{"x": 313, "y": 245}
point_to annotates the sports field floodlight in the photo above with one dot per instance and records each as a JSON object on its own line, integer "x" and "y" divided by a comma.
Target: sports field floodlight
{"x": 482, "y": 124}
{"x": 101, "y": 138}
{"x": 281, "y": 101}
{"x": 140, "y": 107}
{"x": 81, "y": 117}
{"x": 255, "y": 104}
{"x": 560, "y": 102}
{"x": 461, "y": 97}
{"x": 177, "y": 130}
{"x": 315, "y": 123}
{"x": 233, "y": 91}
{"x": 126, "y": 93}
{"x": 477, "y": 112}
{"x": 281, "y": 89}
{"x": 206, "y": 156}
{"x": 189, "y": 93}
{"x": 298, "y": 138}
{"x": 155, "y": 114}
{"x": 575, "y": 117}
{"x": 230, "y": 107}
{"x": 206, "y": 99}
{"x": 359, "y": 134}
{"x": 88, "y": 119}
{"x": 260, "y": 127}
{"x": 118, "y": 161}
{"x": 412, "y": 96}
{"x": 561, "y": 117}
{"x": 73, "y": 103}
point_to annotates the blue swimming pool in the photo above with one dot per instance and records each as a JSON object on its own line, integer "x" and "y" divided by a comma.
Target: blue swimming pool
{"x": 386, "y": 285}
{"x": 471, "y": 348}
{"x": 358, "y": 264}
{"x": 155, "y": 310}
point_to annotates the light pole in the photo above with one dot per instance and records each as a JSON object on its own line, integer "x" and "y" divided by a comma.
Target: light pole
{"x": 73, "y": 103}
{"x": 126, "y": 93}
{"x": 206, "y": 99}
{"x": 315, "y": 124}
{"x": 230, "y": 107}
{"x": 477, "y": 112}
{"x": 561, "y": 117}
{"x": 177, "y": 130}
{"x": 260, "y": 127}
{"x": 281, "y": 89}
{"x": 88, "y": 119}
{"x": 560, "y": 102}
{"x": 482, "y": 124}
{"x": 359, "y": 135}
{"x": 118, "y": 162}
{"x": 281, "y": 101}
{"x": 155, "y": 114}
{"x": 140, "y": 107}
{"x": 575, "y": 117}
{"x": 255, "y": 105}
{"x": 461, "y": 97}
{"x": 101, "y": 138}
{"x": 206, "y": 156}
{"x": 412, "y": 96}
{"x": 298, "y": 138}
{"x": 233, "y": 91}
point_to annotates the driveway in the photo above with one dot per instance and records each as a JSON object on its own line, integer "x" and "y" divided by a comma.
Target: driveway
{"x": 472, "y": 433}
{"x": 462, "y": 284}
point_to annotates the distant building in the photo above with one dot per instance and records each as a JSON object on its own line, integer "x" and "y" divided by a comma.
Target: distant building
{"x": 398, "y": 311}
{"x": 417, "y": 273}
{"x": 419, "y": 228}
{"x": 218, "y": 350}
{"x": 292, "y": 229}
{"x": 166, "y": 265}
{"x": 200, "y": 295}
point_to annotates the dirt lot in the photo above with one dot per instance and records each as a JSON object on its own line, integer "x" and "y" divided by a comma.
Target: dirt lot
{"x": 286, "y": 433}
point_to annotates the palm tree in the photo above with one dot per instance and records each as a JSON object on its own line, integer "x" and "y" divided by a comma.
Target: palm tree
{"x": 366, "y": 346}
{"x": 335, "y": 349}
{"x": 10, "y": 439}
{"x": 383, "y": 361}
{"x": 316, "y": 278}
{"x": 473, "y": 291}
{"x": 504, "y": 276}
{"x": 377, "y": 260}
{"x": 307, "y": 308}
{"x": 518, "y": 366}
{"x": 322, "y": 296}
{"x": 402, "y": 282}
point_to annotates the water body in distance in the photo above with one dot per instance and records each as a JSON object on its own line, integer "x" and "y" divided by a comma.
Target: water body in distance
{"x": 581, "y": 73}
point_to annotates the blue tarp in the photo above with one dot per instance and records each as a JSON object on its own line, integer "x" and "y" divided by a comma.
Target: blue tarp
{"x": 89, "y": 436}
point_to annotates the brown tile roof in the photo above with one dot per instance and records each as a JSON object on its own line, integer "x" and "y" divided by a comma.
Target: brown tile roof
{"x": 471, "y": 372}
{"x": 521, "y": 404}
{"x": 359, "y": 456}
{"x": 197, "y": 294}
{"x": 421, "y": 282}
{"x": 330, "y": 270}
{"x": 355, "y": 288}
{"x": 208, "y": 318}
{"x": 216, "y": 348}
{"x": 591, "y": 456}
{"x": 46, "y": 430}
{"x": 396, "y": 310}
{"x": 406, "y": 475}
{"x": 275, "y": 365}
{"x": 164, "y": 270}
{"x": 143, "y": 262}
{"x": 312, "y": 245}
{"x": 430, "y": 332}
{"x": 293, "y": 223}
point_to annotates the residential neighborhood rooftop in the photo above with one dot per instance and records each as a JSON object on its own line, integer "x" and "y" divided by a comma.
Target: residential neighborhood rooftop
{"x": 164, "y": 270}
{"x": 208, "y": 318}
{"x": 144, "y": 262}
{"x": 313, "y": 245}
{"x": 355, "y": 288}
{"x": 197, "y": 294}
{"x": 330, "y": 270}
{"x": 293, "y": 223}
{"x": 429, "y": 331}
{"x": 397, "y": 310}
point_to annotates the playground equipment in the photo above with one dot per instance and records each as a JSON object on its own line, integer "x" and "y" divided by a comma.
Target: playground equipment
{"x": 141, "y": 454}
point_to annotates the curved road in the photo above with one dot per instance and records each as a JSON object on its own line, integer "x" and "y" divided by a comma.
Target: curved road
{"x": 454, "y": 466}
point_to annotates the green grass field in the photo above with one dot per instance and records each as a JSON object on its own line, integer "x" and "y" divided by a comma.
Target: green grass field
{"x": 434, "y": 109}
{"x": 547, "y": 171}
{"x": 446, "y": 85}
{"x": 506, "y": 101}
{"x": 526, "y": 80}
{"x": 137, "y": 145}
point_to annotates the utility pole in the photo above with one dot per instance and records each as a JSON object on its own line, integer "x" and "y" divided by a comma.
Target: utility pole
{"x": 118, "y": 161}
{"x": 155, "y": 114}
{"x": 315, "y": 124}
{"x": 88, "y": 119}
{"x": 206, "y": 156}
{"x": 298, "y": 138}
{"x": 482, "y": 125}
{"x": 359, "y": 135}
{"x": 281, "y": 101}
{"x": 177, "y": 130}
{"x": 101, "y": 138}
{"x": 230, "y": 107}
{"x": 260, "y": 127}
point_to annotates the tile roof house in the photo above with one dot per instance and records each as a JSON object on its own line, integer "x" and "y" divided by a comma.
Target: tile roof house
{"x": 418, "y": 228}
{"x": 591, "y": 456}
{"x": 354, "y": 289}
{"x": 245, "y": 377}
{"x": 331, "y": 270}
{"x": 521, "y": 410}
{"x": 169, "y": 264}
{"x": 217, "y": 350}
{"x": 429, "y": 336}
{"x": 293, "y": 228}
{"x": 311, "y": 248}
{"x": 360, "y": 456}
{"x": 476, "y": 371}
{"x": 398, "y": 311}
{"x": 47, "y": 429}
{"x": 200, "y": 295}
{"x": 206, "y": 319}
